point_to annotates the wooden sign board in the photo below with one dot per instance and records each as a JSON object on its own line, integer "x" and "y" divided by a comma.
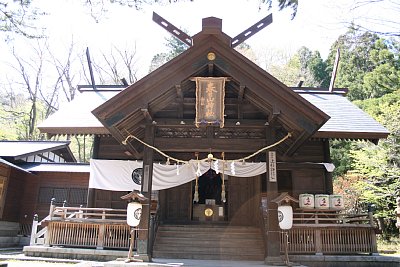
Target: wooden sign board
{"x": 210, "y": 96}
{"x": 272, "y": 166}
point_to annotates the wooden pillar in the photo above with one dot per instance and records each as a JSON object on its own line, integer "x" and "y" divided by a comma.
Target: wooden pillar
{"x": 143, "y": 244}
{"x": 272, "y": 253}
{"x": 91, "y": 200}
{"x": 328, "y": 175}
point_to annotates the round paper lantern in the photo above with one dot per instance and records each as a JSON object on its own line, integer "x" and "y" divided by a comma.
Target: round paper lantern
{"x": 133, "y": 213}
{"x": 285, "y": 217}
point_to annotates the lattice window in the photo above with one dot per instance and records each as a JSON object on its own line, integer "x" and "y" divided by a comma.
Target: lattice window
{"x": 73, "y": 196}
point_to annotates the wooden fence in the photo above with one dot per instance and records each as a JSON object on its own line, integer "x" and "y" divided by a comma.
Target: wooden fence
{"x": 83, "y": 227}
{"x": 330, "y": 232}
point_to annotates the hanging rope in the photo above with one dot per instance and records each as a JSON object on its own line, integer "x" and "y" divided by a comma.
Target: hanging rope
{"x": 206, "y": 159}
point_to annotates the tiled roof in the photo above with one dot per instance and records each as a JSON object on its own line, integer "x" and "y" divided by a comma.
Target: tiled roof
{"x": 76, "y": 117}
{"x": 347, "y": 120}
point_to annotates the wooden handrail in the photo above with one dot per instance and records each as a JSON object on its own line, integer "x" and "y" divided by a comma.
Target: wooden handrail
{"x": 97, "y": 215}
{"x": 331, "y": 218}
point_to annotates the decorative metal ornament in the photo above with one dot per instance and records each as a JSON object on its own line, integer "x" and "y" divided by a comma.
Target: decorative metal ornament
{"x": 137, "y": 176}
{"x": 211, "y": 56}
{"x": 208, "y": 212}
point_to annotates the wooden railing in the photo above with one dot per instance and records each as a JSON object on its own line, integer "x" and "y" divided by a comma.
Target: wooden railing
{"x": 331, "y": 232}
{"x": 83, "y": 227}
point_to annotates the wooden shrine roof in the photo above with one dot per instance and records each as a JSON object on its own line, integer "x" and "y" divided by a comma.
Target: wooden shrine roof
{"x": 168, "y": 86}
{"x": 166, "y": 97}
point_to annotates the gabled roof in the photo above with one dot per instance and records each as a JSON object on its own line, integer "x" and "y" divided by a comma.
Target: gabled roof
{"x": 16, "y": 150}
{"x": 124, "y": 113}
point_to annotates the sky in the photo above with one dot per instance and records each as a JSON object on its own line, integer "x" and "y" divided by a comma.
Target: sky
{"x": 317, "y": 25}
{"x": 313, "y": 26}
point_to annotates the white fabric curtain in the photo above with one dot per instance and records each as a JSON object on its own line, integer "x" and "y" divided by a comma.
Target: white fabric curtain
{"x": 116, "y": 175}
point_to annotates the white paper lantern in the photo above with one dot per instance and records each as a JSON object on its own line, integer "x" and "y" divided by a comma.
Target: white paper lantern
{"x": 133, "y": 213}
{"x": 285, "y": 217}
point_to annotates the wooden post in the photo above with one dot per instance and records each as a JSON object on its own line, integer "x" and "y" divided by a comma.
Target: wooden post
{"x": 328, "y": 175}
{"x": 52, "y": 207}
{"x": 143, "y": 244}
{"x": 100, "y": 238}
{"x": 318, "y": 242}
{"x": 131, "y": 243}
{"x": 272, "y": 253}
{"x": 34, "y": 230}
{"x": 91, "y": 200}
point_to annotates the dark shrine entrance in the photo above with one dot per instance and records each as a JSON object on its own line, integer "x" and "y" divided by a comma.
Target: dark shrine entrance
{"x": 241, "y": 207}
{"x": 210, "y": 187}
{"x": 210, "y": 207}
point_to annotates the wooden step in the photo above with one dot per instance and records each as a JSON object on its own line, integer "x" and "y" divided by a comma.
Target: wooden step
{"x": 209, "y": 242}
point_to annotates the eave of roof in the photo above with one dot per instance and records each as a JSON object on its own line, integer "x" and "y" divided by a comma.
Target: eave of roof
{"x": 20, "y": 149}
{"x": 13, "y": 165}
{"x": 56, "y": 167}
{"x": 347, "y": 120}
{"x": 75, "y": 117}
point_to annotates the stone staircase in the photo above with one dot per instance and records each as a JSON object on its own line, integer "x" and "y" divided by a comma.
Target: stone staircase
{"x": 209, "y": 242}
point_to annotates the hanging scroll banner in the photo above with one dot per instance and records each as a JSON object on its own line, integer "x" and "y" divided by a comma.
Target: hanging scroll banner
{"x": 210, "y": 96}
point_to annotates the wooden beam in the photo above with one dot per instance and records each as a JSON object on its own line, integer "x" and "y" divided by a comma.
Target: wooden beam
{"x": 296, "y": 144}
{"x": 204, "y": 145}
{"x": 146, "y": 114}
{"x": 335, "y": 67}
{"x": 228, "y": 123}
{"x": 193, "y": 79}
{"x": 180, "y": 100}
{"x": 179, "y": 91}
{"x": 240, "y": 101}
{"x": 89, "y": 61}
{"x": 210, "y": 69}
{"x": 241, "y": 92}
{"x": 240, "y": 38}
{"x": 172, "y": 29}
{"x": 275, "y": 114}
